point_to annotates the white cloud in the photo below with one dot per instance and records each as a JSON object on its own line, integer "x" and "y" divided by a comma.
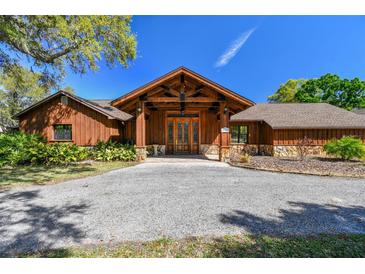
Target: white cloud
{"x": 234, "y": 48}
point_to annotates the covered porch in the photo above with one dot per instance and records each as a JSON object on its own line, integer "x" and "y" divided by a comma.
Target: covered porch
{"x": 181, "y": 113}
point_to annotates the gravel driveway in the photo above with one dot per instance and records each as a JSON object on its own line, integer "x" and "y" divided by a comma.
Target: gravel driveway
{"x": 177, "y": 198}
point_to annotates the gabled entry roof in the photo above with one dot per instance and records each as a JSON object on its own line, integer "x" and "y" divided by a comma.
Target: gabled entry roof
{"x": 187, "y": 72}
{"x": 301, "y": 116}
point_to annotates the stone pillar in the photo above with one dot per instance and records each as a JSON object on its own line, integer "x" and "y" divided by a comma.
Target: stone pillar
{"x": 224, "y": 133}
{"x": 141, "y": 150}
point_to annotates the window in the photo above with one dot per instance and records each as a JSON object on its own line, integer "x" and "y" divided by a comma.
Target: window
{"x": 62, "y": 132}
{"x": 239, "y": 134}
{"x": 64, "y": 100}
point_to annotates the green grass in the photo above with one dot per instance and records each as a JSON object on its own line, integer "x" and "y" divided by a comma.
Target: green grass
{"x": 29, "y": 175}
{"x": 236, "y": 246}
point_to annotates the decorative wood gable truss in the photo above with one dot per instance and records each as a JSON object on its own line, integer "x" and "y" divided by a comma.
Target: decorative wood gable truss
{"x": 180, "y": 90}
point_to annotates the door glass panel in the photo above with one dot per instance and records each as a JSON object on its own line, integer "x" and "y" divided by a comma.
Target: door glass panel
{"x": 195, "y": 132}
{"x": 170, "y": 129}
{"x": 186, "y": 132}
{"x": 179, "y": 132}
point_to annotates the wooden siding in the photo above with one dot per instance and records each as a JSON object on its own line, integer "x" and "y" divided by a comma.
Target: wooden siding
{"x": 88, "y": 126}
{"x": 155, "y": 128}
{"x": 209, "y": 128}
{"x": 258, "y": 133}
{"x": 156, "y": 123}
{"x": 319, "y": 136}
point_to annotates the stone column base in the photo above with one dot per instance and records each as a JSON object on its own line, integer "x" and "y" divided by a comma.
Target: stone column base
{"x": 224, "y": 153}
{"x": 141, "y": 153}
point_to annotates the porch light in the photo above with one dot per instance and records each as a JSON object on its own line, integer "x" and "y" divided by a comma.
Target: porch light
{"x": 225, "y": 109}
{"x": 139, "y": 109}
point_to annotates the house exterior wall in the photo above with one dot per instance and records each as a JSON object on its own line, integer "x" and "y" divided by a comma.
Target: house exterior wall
{"x": 88, "y": 125}
{"x": 287, "y": 137}
{"x": 264, "y": 140}
{"x": 209, "y": 137}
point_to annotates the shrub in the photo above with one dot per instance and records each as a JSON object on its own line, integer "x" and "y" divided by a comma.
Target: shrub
{"x": 111, "y": 151}
{"x": 245, "y": 158}
{"x": 346, "y": 148}
{"x": 63, "y": 154}
{"x": 303, "y": 147}
{"x": 21, "y": 149}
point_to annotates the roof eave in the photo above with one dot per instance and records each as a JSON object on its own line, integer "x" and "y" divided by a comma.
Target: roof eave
{"x": 61, "y": 92}
{"x": 136, "y": 92}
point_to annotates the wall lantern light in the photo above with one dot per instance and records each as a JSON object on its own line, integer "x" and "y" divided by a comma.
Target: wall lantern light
{"x": 139, "y": 109}
{"x": 225, "y": 109}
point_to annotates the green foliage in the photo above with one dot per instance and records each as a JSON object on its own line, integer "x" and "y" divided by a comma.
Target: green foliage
{"x": 329, "y": 88}
{"x": 62, "y": 154}
{"x": 22, "y": 149}
{"x": 286, "y": 92}
{"x": 56, "y": 42}
{"x": 69, "y": 89}
{"x": 245, "y": 158}
{"x": 111, "y": 151}
{"x": 19, "y": 148}
{"x": 227, "y": 246}
{"x": 19, "y": 88}
{"x": 346, "y": 148}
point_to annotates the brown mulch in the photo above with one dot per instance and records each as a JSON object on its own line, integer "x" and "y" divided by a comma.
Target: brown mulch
{"x": 315, "y": 166}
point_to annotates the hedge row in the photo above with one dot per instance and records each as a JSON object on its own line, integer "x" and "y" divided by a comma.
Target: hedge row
{"x": 24, "y": 149}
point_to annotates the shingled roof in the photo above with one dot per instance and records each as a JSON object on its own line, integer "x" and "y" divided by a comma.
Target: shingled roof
{"x": 101, "y": 106}
{"x": 301, "y": 115}
{"x": 105, "y": 105}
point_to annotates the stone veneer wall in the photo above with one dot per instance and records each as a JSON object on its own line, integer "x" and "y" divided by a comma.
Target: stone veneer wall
{"x": 244, "y": 149}
{"x": 207, "y": 149}
{"x": 266, "y": 150}
{"x": 161, "y": 150}
{"x": 141, "y": 153}
{"x": 292, "y": 151}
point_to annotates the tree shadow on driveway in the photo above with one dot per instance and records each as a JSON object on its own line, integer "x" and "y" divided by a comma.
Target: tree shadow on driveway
{"x": 301, "y": 219}
{"x": 27, "y": 225}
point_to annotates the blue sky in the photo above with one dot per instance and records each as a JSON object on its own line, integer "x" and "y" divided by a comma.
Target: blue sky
{"x": 252, "y": 55}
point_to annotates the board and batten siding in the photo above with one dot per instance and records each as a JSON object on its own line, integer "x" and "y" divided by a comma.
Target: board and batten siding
{"x": 258, "y": 132}
{"x": 318, "y": 136}
{"x": 155, "y": 128}
{"x": 88, "y": 125}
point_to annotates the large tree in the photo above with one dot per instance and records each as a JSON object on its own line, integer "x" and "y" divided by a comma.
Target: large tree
{"x": 19, "y": 89}
{"x": 36, "y": 50}
{"x": 329, "y": 88}
{"x": 52, "y": 43}
{"x": 286, "y": 92}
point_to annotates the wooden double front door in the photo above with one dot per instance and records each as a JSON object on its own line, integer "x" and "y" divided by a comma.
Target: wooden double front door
{"x": 182, "y": 135}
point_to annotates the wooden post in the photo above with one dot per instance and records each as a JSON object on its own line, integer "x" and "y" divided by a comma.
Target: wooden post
{"x": 224, "y": 133}
{"x": 140, "y": 131}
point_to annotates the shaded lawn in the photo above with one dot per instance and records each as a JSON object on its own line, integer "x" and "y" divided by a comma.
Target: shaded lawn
{"x": 235, "y": 246}
{"x": 27, "y": 175}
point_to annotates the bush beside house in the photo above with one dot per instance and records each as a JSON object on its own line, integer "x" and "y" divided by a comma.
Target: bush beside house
{"x": 346, "y": 148}
{"x": 24, "y": 149}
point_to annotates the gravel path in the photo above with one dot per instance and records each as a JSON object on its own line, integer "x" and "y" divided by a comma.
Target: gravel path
{"x": 177, "y": 198}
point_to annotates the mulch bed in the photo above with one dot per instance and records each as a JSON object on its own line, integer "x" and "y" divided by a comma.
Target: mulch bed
{"x": 315, "y": 166}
